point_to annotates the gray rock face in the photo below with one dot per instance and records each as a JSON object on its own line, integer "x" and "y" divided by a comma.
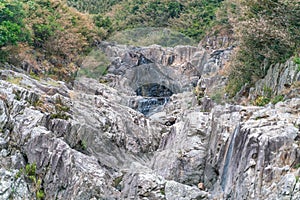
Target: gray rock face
{"x": 140, "y": 182}
{"x": 71, "y": 174}
{"x": 279, "y": 78}
{"x": 259, "y": 151}
{"x": 12, "y": 188}
{"x": 87, "y": 141}
{"x": 218, "y": 42}
{"x": 176, "y": 190}
{"x": 177, "y": 68}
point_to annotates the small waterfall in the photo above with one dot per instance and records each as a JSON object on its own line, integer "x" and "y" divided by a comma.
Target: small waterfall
{"x": 155, "y": 97}
{"x": 224, "y": 178}
{"x": 150, "y": 105}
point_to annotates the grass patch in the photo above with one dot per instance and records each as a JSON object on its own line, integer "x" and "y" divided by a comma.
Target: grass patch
{"x": 52, "y": 83}
{"x": 297, "y": 166}
{"x": 14, "y": 80}
{"x": 217, "y": 96}
{"x": 297, "y": 60}
{"x": 35, "y": 76}
{"x": 277, "y": 99}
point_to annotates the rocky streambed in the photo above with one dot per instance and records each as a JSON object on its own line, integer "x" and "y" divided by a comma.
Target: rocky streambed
{"x": 144, "y": 134}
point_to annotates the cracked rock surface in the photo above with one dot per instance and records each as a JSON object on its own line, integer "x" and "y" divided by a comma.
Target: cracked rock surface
{"x": 88, "y": 142}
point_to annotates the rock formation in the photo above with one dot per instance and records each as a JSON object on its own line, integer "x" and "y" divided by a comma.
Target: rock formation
{"x": 90, "y": 140}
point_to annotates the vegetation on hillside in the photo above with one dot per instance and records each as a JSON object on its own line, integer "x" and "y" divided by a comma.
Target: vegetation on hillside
{"x": 54, "y": 36}
{"x": 12, "y": 27}
{"x": 268, "y": 32}
{"x": 93, "y": 6}
{"x": 192, "y": 18}
{"x": 51, "y": 36}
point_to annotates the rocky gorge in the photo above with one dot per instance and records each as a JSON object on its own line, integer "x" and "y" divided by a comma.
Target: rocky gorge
{"x": 149, "y": 130}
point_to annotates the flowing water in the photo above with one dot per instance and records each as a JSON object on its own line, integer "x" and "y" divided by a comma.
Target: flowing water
{"x": 224, "y": 178}
{"x": 151, "y": 105}
{"x": 156, "y": 96}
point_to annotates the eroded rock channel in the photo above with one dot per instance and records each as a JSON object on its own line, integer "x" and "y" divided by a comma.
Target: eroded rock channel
{"x": 144, "y": 134}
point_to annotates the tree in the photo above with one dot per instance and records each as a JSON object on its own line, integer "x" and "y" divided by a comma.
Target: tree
{"x": 11, "y": 23}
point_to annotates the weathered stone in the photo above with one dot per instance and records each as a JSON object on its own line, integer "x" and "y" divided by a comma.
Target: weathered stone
{"x": 12, "y": 188}
{"x": 253, "y": 154}
{"x": 279, "y": 78}
{"x": 179, "y": 191}
{"x": 90, "y": 142}
{"x": 141, "y": 182}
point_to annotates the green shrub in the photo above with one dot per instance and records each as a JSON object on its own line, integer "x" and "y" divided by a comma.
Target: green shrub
{"x": 42, "y": 33}
{"x": 297, "y": 60}
{"x": 277, "y": 99}
{"x": 217, "y": 96}
{"x": 267, "y": 92}
{"x": 59, "y": 115}
{"x": 60, "y": 110}
{"x": 83, "y": 144}
{"x": 12, "y": 29}
{"x": 261, "y": 101}
{"x": 29, "y": 173}
{"x": 297, "y": 166}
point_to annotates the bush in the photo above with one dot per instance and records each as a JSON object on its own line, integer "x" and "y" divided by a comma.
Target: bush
{"x": 297, "y": 60}
{"x": 93, "y": 6}
{"x": 12, "y": 29}
{"x": 268, "y": 32}
{"x": 61, "y": 110}
{"x": 261, "y": 101}
{"x": 30, "y": 175}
